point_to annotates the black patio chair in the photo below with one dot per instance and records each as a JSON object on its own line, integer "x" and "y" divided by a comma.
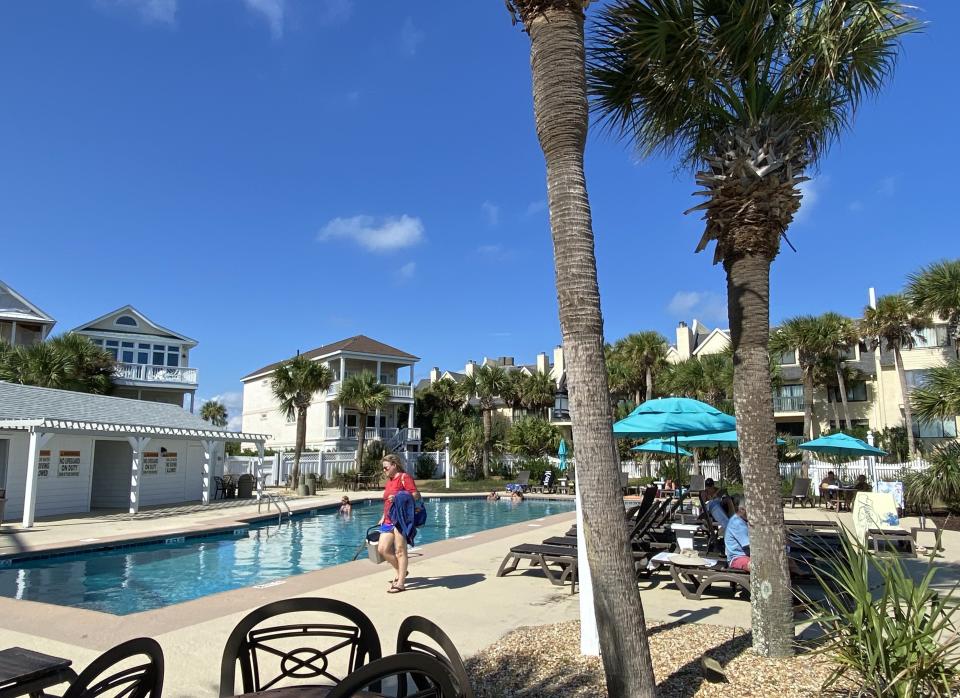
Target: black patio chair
{"x": 140, "y": 681}
{"x": 354, "y": 643}
{"x": 447, "y": 652}
{"x": 219, "y": 488}
{"x": 436, "y": 676}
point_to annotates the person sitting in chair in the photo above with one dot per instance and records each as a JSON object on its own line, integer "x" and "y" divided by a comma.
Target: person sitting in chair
{"x": 861, "y": 485}
{"x": 736, "y": 540}
{"x": 826, "y": 493}
{"x": 709, "y": 490}
{"x": 720, "y": 509}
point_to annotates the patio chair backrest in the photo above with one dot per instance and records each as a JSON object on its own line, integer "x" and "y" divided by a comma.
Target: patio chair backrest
{"x": 697, "y": 483}
{"x": 624, "y": 479}
{"x": 437, "y": 676}
{"x": 140, "y": 681}
{"x": 443, "y": 649}
{"x": 801, "y": 487}
{"x": 523, "y": 477}
{"x": 297, "y": 650}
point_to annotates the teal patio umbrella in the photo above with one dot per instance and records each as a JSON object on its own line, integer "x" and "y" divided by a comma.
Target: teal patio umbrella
{"x": 673, "y": 417}
{"x": 841, "y": 444}
{"x": 661, "y": 446}
{"x": 562, "y": 455}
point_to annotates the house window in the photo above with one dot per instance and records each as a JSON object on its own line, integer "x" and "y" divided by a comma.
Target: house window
{"x": 68, "y": 464}
{"x": 173, "y": 356}
{"x": 170, "y": 462}
{"x": 112, "y": 346}
{"x": 937, "y": 429}
{"x": 351, "y": 419}
{"x": 856, "y": 392}
{"x": 788, "y": 358}
{"x": 857, "y": 423}
{"x": 372, "y": 421}
{"x": 791, "y": 390}
{"x": 126, "y": 352}
{"x": 915, "y": 378}
{"x": 936, "y": 336}
{"x": 151, "y": 462}
{"x": 125, "y": 320}
{"x": 43, "y": 464}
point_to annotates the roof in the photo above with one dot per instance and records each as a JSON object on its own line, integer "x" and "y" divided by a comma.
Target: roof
{"x": 15, "y": 307}
{"x": 31, "y": 407}
{"x": 360, "y": 344}
{"x": 130, "y": 310}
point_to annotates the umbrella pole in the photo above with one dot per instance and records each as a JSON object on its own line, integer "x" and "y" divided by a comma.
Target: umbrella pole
{"x": 676, "y": 451}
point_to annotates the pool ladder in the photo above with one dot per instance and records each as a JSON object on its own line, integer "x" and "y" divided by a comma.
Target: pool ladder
{"x": 273, "y": 500}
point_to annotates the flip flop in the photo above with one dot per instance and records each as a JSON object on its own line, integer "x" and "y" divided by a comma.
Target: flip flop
{"x": 395, "y": 589}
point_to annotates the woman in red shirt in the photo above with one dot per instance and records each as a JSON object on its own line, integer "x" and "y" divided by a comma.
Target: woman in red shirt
{"x": 392, "y": 544}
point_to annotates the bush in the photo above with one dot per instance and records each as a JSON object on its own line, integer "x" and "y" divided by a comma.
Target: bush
{"x": 425, "y": 467}
{"x": 900, "y": 644}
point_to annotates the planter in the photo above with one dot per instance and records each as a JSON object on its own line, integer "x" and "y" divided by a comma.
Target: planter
{"x": 303, "y": 490}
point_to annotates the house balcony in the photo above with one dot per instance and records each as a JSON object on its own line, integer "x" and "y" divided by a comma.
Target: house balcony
{"x": 791, "y": 403}
{"x": 385, "y": 434}
{"x": 397, "y": 392}
{"x": 155, "y": 376}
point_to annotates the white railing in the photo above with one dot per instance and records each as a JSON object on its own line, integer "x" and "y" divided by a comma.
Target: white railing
{"x": 402, "y": 436}
{"x": 397, "y": 391}
{"x": 242, "y": 465}
{"x": 790, "y": 403}
{"x": 848, "y": 472}
{"x": 328, "y": 464}
{"x": 155, "y": 374}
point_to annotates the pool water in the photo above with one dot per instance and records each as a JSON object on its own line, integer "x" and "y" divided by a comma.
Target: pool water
{"x": 143, "y": 577}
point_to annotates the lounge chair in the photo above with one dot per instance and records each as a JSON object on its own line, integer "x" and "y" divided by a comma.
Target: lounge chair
{"x": 693, "y": 582}
{"x": 697, "y": 484}
{"x": 543, "y": 556}
{"x": 546, "y": 483}
{"x": 522, "y": 482}
{"x": 625, "y": 483}
{"x": 876, "y": 522}
{"x": 800, "y": 493}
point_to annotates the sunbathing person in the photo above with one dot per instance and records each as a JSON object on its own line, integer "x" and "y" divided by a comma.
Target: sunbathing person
{"x": 720, "y": 509}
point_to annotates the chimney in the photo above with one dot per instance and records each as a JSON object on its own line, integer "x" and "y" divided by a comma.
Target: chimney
{"x": 434, "y": 374}
{"x": 559, "y": 366}
{"x": 873, "y": 297}
{"x": 506, "y": 361}
{"x": 684, "y": 341}
{"x": 543, "y": 363}
{"x": 470, "y": 367}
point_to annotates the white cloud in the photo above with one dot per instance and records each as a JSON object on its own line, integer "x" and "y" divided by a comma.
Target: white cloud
{"x": 535, "y": 207}
{"x": 335, "y": 11}
{"x": 410, "y": 37}
{"x": 703, "y": 305}
{"x": 491, "y": 211}
{"x": 233, "y": 401}
{"x": 272, "y": 11}
{"x": 811, "y": 194}
{"x": 150, "y": 11}
{"x": 888, "y": 186}
{"x": 407, "y": 271}
{"x": 377, "y": 235}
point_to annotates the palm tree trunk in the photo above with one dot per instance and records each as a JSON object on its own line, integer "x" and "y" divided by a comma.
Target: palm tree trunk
{"x": 487, "y": 437}
{"x": 808, "y": 418}
{"x": 836, "y": 415}
{"x": 907, "y": 409}
{"x": 560, "y": 109}
{"x": 842, "y": 382}
{"x": 361, "y": 437}
{"x": 748, "y": 300}
{"x": 649, "y": 383}
{"x": 301, "y": 442}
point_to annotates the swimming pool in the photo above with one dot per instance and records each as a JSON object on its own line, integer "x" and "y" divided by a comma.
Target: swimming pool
{"x": 143, "y": 577}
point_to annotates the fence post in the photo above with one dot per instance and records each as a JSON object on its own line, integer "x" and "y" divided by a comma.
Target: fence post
{"x": 446, "y": 460}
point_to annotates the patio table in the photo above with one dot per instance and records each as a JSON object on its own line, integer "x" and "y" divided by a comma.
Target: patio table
{"x": 24, "y": 672}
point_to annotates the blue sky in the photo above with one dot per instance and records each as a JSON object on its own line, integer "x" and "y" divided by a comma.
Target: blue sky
{"x": 272, "y": 175}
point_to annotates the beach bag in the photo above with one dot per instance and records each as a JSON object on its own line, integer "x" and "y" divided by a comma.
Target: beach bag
{"x": 373, "y": 552}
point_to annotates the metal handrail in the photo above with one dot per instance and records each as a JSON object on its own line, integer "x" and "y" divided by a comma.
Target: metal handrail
{"x": 276, "y": 501}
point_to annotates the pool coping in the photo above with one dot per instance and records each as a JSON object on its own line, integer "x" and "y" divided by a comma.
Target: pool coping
{"x": 98, "y": 630}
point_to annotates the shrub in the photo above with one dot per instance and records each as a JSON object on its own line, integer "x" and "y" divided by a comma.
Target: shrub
{"x": 940, "y": 482}
{"x": 425, "y": 467}
{"x": 901, "y": 643}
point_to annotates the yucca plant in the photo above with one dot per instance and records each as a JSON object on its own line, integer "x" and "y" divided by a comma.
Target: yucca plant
{"x": 889, "y": 635}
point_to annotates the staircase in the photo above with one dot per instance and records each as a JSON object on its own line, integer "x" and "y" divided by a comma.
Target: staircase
{"x": 398, "y": 442}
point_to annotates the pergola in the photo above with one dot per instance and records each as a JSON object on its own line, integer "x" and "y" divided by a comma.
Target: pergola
{"x": 42, "y": 429}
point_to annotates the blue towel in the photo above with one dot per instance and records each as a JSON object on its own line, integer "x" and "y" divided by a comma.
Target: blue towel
{"x": 402, "y": 515}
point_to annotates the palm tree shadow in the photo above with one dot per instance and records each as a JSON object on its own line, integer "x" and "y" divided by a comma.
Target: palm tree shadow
{"x": 452, "y": 581}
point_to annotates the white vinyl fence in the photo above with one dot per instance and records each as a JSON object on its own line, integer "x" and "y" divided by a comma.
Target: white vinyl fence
{"x": 328, "y": 464}
{"x": 241, "y": 465}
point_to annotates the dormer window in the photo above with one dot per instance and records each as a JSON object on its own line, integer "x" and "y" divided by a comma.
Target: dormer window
{"x": 126, "y": 320}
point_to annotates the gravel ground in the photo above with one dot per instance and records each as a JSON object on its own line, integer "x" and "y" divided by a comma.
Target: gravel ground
{"x": 545, "y": 662}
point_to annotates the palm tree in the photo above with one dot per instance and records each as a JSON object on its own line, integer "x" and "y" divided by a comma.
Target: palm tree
{"x": 708, "y": 378}
{"x": 805, "y": 334}
{"x": 935, "y": 290}
{"x": 557, "y": 61}
{"x": 645, "y": 356}
{"x": 363, "y": 393}
{"x": 839, "y": 335}
{"x": 538, "y": 392}
{"x": 750, "y": 92}
{"x": 294, "y": 384}
{"x": 486, "y": 385}
{"x": 939, "y": 396}
{"x": 533, "y": 437}
{"x": 215, "y": 412}
{"x": 67, "y": 362}
{"x": 893, "y": 326}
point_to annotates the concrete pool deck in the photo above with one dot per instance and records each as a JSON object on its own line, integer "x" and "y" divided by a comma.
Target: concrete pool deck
{"x": 451, "y": 582}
